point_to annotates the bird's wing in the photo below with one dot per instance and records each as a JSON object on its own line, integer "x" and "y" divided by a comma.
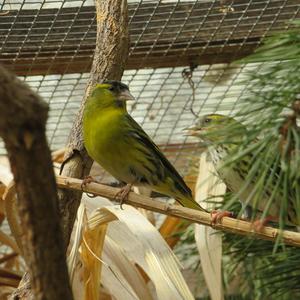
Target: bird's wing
{"x": 163, "y": 168}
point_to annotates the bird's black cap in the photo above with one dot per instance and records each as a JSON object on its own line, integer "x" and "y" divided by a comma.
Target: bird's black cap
{"x": 116, "y": 86}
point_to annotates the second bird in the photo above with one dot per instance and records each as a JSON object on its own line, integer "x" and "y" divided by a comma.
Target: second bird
{"x": 119, "y": 144}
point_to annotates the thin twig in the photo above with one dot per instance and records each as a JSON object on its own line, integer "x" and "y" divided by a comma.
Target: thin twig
{"x": 8, "y": 257}
{"x": 226, "y": 224}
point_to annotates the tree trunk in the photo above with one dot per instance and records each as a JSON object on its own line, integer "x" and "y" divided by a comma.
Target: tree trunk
{"x": 23, "y": 117}
{"x": 112, "y": 45}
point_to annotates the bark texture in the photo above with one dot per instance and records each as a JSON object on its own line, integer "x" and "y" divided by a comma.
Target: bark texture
{"x": 110, "y": 57}
{"x": 23, "y": 118}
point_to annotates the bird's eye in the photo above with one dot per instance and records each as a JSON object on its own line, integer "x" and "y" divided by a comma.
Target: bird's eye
{"x": 207, "y": 120}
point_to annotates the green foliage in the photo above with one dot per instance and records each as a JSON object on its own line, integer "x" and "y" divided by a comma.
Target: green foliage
{"x": 265, "y": 274}
{"x": 271, "y": 113}
{"x": 262, "y": 273}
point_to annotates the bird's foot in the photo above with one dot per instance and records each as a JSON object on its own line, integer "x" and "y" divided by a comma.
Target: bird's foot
{"x": 87, "y": 180}
{"x": 218, "y": 215}
{"x": 259, "y": 224}
{"x": 122, "y": 194}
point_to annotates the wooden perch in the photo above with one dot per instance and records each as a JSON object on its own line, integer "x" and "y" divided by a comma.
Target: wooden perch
{"x": 23, "y": 117}
{"x": 227, "y": 224}
{"x": 110, "y": 57}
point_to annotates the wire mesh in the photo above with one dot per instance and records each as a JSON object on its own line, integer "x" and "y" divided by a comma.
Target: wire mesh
{"x": 58, "y": 36}
{"x": 50, "y": 43}
{"x": 162, "y": 103}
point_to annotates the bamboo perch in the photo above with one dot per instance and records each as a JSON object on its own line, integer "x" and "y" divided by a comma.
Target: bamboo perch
{"x": 227, "y": 224}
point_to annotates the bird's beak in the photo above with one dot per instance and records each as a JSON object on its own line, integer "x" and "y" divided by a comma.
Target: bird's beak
{"x": 191, "y": 131}
{"x": 125, "y": 96}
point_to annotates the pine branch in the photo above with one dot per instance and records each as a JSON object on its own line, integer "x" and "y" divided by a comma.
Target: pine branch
{"x": 227, "y": 224}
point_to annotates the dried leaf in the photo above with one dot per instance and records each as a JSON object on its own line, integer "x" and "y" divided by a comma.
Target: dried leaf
{"x": 130, "y": 239}
{"x": 209, "y": 243}
{"x": 143, "y": 244}
{"x": 7, "y": 240}
{"x": 123, "y": 276}
{"x": 5, "y": 174}
{"x": 91, "y": 251}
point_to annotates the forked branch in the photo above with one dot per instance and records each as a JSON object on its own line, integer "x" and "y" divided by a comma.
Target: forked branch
{"x": 23, "y": 117}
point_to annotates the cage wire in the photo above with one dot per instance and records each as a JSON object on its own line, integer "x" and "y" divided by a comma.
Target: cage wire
{"x": 50, "y": 44}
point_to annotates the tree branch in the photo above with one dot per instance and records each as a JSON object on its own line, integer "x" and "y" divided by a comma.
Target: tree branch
{"x": 23, "y": 118}
{"x": 110, "y": 57}
{"x": 227, "y": 224}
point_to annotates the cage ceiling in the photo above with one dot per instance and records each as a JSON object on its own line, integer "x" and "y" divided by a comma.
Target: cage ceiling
{"x": 58, "y": 37}
{"x": 50, "y": 44}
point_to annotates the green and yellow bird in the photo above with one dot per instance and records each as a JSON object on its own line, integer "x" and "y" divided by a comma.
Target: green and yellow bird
{"x": 118, "y": 143}
{"x": 260, "y": 187}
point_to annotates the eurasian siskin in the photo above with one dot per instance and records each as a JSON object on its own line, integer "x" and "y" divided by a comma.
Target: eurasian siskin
{"x": 115, "y": 141}
{"x": 253, "y": 172}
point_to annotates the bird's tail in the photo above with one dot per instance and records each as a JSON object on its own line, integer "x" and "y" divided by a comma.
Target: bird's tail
{"x": 190, "y": 203}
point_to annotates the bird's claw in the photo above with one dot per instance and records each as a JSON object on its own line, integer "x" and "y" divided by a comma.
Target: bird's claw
{"x": 259, "y": 224}
{"x": 218, "y": 215}
{"x": 122, "y": 194}
{"x": 87, "y": 180}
